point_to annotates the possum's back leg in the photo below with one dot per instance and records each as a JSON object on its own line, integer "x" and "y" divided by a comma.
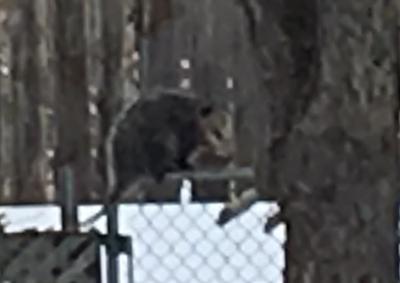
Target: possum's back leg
{"x": 183, "y": 164}
{"x": 160, "y": 162}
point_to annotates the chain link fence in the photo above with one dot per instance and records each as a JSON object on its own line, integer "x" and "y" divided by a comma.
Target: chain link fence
{"x": 181, "y": 242}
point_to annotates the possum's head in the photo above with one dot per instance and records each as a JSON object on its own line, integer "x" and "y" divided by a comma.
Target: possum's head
{"x": 217, "y": 141}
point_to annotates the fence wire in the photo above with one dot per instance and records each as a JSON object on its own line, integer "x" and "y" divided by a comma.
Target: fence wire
{"x": 181, "y": 242}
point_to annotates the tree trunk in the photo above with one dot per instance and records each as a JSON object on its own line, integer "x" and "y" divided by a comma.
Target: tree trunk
{"x": 331, "y": 138}
{"x": 26, "y": 89}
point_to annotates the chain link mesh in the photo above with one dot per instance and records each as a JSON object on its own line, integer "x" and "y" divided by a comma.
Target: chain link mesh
{"x": 182, "y": 243}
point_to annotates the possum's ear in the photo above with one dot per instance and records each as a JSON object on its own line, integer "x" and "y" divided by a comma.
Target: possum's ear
{"x": 206, "y": 110}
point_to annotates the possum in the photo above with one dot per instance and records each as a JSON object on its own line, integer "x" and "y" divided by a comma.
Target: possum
{"x": 166, "y": 133}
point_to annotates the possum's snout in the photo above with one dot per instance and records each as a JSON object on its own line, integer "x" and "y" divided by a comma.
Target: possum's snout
{"x": 220, "y": 134}
{"x": 217, "y": 147}
{"x": 224, "y": 147}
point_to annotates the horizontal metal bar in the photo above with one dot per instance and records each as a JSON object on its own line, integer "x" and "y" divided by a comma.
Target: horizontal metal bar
{"x": 211, "y": 175}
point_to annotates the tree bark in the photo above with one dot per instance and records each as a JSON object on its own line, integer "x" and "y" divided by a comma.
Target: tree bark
{"x": 331, "y": 146}
{"x": 27, "y": 95}
{"x": 111, "y": 87}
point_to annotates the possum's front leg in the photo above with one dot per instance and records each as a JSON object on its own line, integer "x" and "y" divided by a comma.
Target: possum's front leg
{"x": 195, "y": 156}
{"x": 183, "y": 164}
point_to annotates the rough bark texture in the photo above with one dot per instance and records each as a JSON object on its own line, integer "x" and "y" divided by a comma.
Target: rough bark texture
{"x": 27, "y": 95}
{"x": 112, "y": 28}
{"x": 110, "y": 92}
{"x": 331, "y": 144}
{"x": 7, "y": 169}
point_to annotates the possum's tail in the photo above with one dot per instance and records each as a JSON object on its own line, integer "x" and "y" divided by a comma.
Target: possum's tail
{"x": 111, "y": 195}
{"x": 92, "y": 219}
{"x": 113, "y": 198}
{"x": 111, "y": 179}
